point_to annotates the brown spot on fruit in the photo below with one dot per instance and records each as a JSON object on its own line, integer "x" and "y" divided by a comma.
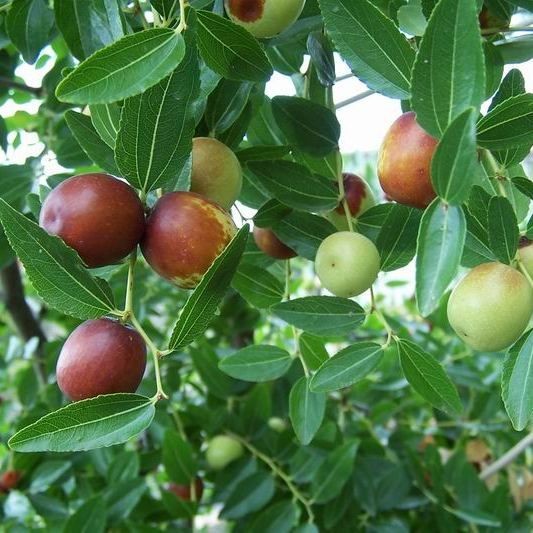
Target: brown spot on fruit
{"x": 269, "y": 244}
{"x": 98, "y": 215}
{"x": 246, "y": 10}
{"x": 184, "y": 235}
{"x": 101, "y": 357}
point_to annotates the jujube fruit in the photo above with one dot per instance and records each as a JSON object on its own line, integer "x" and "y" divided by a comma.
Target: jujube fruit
{"x": 9, "y": 480}
{"x": 101, "y": 357}
{"x": 183, "y": 492}
{"x": 268, "y": 243}
{"x": 216, "y": 171}
{"x": 98, "y": 215}
{"x": 184, "y": 235}
{"x": 222, "y": 450}
{"x": 347, "y": 263}
{"x": 359, "y": 198}
{"x": 491, "y": 307}
{"x": 264, "y": 18}
{"x": 404, "y": 163}
{"x": 490, "y": 21}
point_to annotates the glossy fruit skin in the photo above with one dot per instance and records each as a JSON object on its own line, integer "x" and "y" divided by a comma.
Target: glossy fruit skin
{"x": 347, "y": 263}
{"x": 221, "y": 451}
{"x": 491, "y": 307}
{"x": 183, "y": 492}
{"x": 98, "y": 215}
{"x": 216, "y": 172}
{"x": 264, "y": 18}
{"x": 269, "y": 244}
{"x": 9, "y": 480}
{"x": 525, "y": 252}
{"x": 101, "y": 357}
{"x": 359, "y": 198}
{"x": 404, "y": 163}
{"x": 184, "y": 235}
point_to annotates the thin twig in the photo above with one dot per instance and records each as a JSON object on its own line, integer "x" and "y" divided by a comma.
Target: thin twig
{"x": 12, "y": 84}
{"x": 507, "y": 457}
{"x": 354, "y": 99}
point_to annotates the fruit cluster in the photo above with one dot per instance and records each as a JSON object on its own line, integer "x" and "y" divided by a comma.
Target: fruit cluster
{"x": 103, "y": 219}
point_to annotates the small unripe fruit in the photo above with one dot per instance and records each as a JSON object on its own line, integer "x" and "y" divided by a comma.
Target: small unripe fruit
{"x": 9, "y": 480}
{"x": 264, "y": 18}
{"x": 359, "y": 198}
{"x": 269, "y": 244}
{"x": 491, "y": 307}
{"x": 99, "y": 216}
{"x": 404, "y": 163}
{"x": 277, "y": 424}
{"x": 222, "y": 450}
{"x": 101, "y": 357}
{"x": 525, "y": 252}
{"x": 347, "y": 263}
{"x": 183, "y": 492}
{"x": 184, "y": 235}
{"x": 216, "y": 171}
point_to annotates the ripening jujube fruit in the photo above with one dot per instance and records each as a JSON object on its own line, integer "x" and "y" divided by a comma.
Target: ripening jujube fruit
{"x": 264, "y": 18}
{"x": 99, "y": 216}
{"x": 491, "y": 307}
{"x": 184, "y": 235}
{"x": 359, "y": 198}
{"x": 222, "y": 450}
{"x": 404, "y": 162}
{"x": 101, "y": 357}
{"x": 271, "y": 245}
{"x": 183, "y": 492}
{"x": 347, "y": 263}
{"x": 216, "y": 171}
{"x": 9, "y": 480}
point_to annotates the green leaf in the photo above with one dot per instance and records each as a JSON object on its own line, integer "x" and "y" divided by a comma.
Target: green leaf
{"x": 503, "y": 229}
{"x": 47, "y": 473}
{"x": 303, "y": 232}
{"x": 93, "y": 423}
{"x": 306, "y": 410}
{"x": 257, "y": 363}
{"x": 124, "y": 467}
{"x": 512, "y": 85}
{"x": 524, "y": 185}
{"x": 89, "y": 25}
{"x": 121, "y": 499}
{"x": 250, "y": 495}
{"x": 428, "y": 378}
{"x": 312, "y": 350}
{"x": 294, "y": 186}
{"x": 125, "y": 68}
{"x": 308, "y": 126}
{"x": 15, "y": 182}
{"x": 334, "y": 472}
{"x": 30, "y": 24}
{"x": 517, "y": 382}
{"x": 83, "y": 130}
{"x": 454, "y": 165}
{"x": 230, "y": 50}
{"x": 508, "y": 125}
{"x": 440, "y": 247}
{"x": 106, "y": 121}
{"x": 278, "y": 518}
{"x": 258, "y": 286}
{"x": 262, "y": 153}
{"x": 396, "y": 241}
{"x": 201, "y": 306}
{"x": 321, "y": 315}
{"x": 54, "y": 269}
{"x": 448, "y": 78}
{"x": 90, "y": 516}
{"x": 376, "y": 51}
{"x": 372, "y": 221}
{"x": 270, "y": 213}
{"x": 350, "y": 365}
{"x": 156, "y": 127}
{"x": 178, "y": 458}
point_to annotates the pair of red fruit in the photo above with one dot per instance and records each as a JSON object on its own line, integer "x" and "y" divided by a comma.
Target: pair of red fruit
{"x": 103, "y": 219}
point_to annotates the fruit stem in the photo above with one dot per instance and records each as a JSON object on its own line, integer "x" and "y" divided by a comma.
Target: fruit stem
{"x": 342, "y": 192}
{"x": 128, "y": 304}
{"x": 182, "y": 26}
{"x": 381, "y": 317}
{"x": 523, "y": 268}
{"x": 493, "y": 169}
{"x": 280, "y": 473}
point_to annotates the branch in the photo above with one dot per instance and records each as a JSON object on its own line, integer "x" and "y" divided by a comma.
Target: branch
{"x": 354, "y": 99}
{"x": 508, "y": 457}
{"x": 12, "y": 84}
{"x": 20, "y": 312}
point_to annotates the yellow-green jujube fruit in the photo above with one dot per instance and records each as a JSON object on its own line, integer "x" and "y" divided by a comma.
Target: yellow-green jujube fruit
{"x": 347, "y": 263}
{"x": 216, "y": 172}
{"x": 264, "y": 18}
{"x": 222, "y": 450}
{"x": 491, "y": 307}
